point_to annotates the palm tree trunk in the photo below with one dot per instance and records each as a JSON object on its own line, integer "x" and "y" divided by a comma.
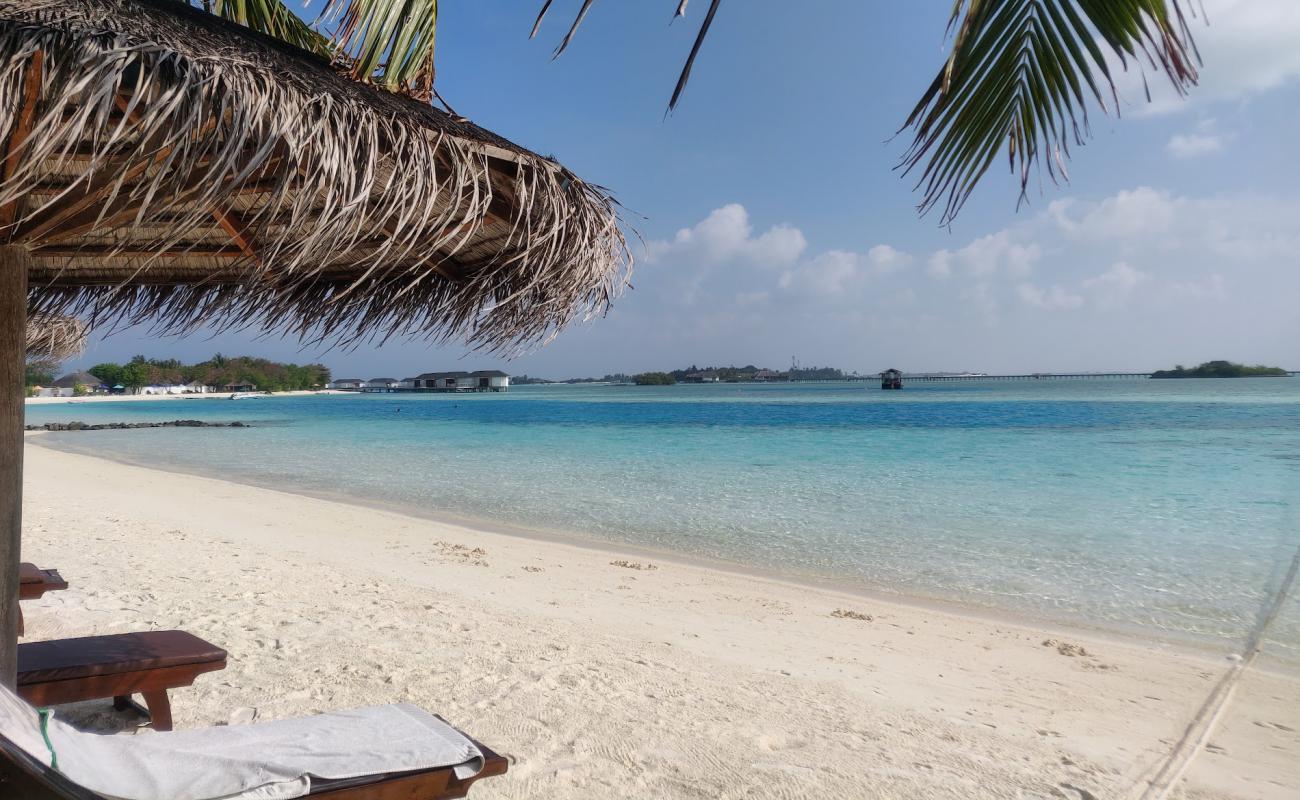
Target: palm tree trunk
{"x": 14, "y": 262}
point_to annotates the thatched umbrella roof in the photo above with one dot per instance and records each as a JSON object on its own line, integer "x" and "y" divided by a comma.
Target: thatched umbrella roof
{"x": 54, "y": 337}
{"x": 159, "y": 164}
{"x": 179, "y": 168}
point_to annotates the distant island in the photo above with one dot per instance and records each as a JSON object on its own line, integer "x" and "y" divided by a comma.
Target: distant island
{"x": 1221, "y": 369}
{"x": 695, "y": 374}
{"x": 654, "y": 379}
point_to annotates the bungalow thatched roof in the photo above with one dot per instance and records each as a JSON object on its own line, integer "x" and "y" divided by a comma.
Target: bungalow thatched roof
{"x": 55, "y": 337}
{"x": 165, "y": 165}
{"x": 79, "y": 377}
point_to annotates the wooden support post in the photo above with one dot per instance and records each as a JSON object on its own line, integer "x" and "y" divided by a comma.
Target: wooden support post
{"x": 14, "y": 264}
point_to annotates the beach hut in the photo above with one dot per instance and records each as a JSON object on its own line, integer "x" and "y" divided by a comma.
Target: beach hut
{"x": 66, "y": 386}
{"x": 162, "y": 165}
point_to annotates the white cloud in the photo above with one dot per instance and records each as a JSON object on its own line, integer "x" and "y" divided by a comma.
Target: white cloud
{"x": 885, "y": 259}
{"x": 1140, "y": 212}
{"x": 726, "y": 235}
{"x": 1205, "y": 138}
{"x": 980, "y": 297}
{"x": 1046, "y": 289}
{"x": 843, "y": 274}
{"x": 940, "y": 265}
{"x": 1209, "y": 288}
{"x": 997, "y": 253}
{"x": 1191, "y": 145}
{"x": 1055, "y": 297}
{"x": 1114, "y": 286}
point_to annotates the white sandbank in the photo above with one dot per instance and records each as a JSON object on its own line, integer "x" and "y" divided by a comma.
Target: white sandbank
{"x": 606, "y": 681}
{"x": 129, "y": 398}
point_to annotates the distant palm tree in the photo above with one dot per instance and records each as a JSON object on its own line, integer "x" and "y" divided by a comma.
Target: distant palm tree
{"x": 1021, "y": 73}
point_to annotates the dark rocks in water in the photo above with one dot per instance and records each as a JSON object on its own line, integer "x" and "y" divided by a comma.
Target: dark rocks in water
{"x": 116, "y": 426}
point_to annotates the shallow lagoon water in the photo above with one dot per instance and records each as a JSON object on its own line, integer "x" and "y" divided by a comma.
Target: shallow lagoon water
{"x": 1169, "y": 507}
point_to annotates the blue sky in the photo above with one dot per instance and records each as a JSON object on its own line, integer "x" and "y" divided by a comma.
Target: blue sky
{"x": 775, "y": 226}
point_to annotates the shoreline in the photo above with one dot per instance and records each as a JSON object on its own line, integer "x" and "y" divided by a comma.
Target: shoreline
{"x": 666, "y": 680}
{"x": 1124, "y": 634}
{"x": 128, "y": 398}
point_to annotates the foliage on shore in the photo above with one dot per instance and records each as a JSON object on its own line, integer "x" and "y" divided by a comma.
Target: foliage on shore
{"x": 40, "y": 373}
{"x": 216, "y": 371}
{"x": 654, "y": 379}
{"x": 1221, "y": 369}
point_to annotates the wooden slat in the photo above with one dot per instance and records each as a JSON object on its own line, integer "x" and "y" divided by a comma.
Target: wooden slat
{"x": 76, "y": 216}
{"x": 102, "y": 251}
{"x": 31, "y": 93}
{"x": 235, "y": 225}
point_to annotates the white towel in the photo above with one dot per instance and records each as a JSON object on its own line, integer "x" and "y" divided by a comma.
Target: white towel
{"x": 267, "y": 761}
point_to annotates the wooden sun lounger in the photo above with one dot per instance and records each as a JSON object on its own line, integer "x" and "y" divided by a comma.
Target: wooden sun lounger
{"x": 24, "y": 778}
{"x": 116, "y": 666}
{"x": 34, "y": 582}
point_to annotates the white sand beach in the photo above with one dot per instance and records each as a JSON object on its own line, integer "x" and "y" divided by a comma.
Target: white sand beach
{"x": 653, "y": 678}
{"x": 129, "y": 398}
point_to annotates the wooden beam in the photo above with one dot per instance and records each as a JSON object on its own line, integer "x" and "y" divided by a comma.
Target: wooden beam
{"x": 14, "y": 264}
{"x": 81, "y": 214}
{"x": 235, "y": 225}
{"x": 107, "y": 251}
{"x": 53, "y": 225}
{"x": 56, "y": 223}
{"x": 23, "y": 128}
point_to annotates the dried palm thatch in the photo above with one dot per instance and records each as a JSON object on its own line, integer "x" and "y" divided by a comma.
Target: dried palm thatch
{"x": 52, "y": 337}
{"x": 164, "y": 165}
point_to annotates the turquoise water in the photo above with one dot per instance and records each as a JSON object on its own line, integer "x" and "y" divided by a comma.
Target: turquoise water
{"x": 1164, "y": 506}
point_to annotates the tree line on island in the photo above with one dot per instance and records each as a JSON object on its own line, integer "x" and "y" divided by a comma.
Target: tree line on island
{"x": 695, "y": 374}
{"x": 216, "y": 371}
{"x": 1221, "y": 369}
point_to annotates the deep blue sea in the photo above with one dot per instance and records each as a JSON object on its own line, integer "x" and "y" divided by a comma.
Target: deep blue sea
{"x": 1166, "y": 507}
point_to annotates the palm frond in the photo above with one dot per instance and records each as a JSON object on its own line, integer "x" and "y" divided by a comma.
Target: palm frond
{"x": 273, "y": 18}
{"x": 685, "y": 75}
{"x": 389, "y": 43}
{"x": 1023, "y": 73}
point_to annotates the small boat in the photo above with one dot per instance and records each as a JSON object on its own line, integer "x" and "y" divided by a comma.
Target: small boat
{"x": 244, "y": 396}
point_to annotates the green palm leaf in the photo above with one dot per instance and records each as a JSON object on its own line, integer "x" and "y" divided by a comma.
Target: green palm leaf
{"x": 389, "y": 43}
{"x": 273, "y": 18}
{"x": 1023, "y": 72}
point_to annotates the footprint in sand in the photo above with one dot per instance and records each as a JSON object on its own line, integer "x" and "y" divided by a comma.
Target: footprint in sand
{"x": 637, "y": 565}
{"x": 1276, "y": 726}
{"x": 1072, "y": 792}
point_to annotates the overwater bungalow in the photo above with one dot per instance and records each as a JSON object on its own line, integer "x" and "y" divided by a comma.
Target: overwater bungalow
{"x": 484, "y": 380}
{"x": 345, "y": 384}
{"x": 490, "y": 380}
{"x": 891, "y": 379}
{"x": 380, "y": 385}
